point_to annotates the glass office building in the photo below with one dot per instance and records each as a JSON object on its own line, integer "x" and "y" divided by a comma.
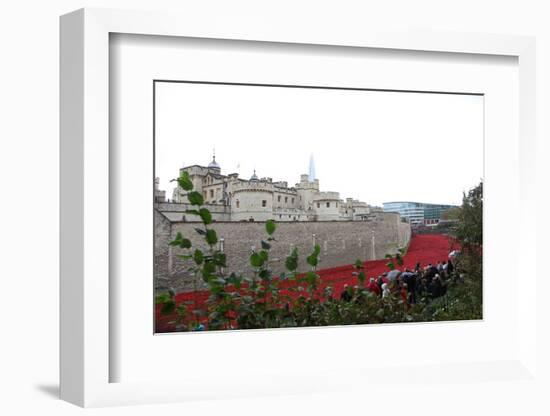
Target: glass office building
{"x": 417, "y": 213}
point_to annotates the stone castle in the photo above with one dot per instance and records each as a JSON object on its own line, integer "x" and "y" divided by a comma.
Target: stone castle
{"x": 345, "y": 230}
{"x": 231, "y": 198}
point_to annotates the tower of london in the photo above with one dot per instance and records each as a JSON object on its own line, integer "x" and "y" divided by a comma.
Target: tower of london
{"x": 231, "y": 198}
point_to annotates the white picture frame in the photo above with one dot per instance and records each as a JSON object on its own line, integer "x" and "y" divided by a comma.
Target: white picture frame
{"x": 85, "y": 217}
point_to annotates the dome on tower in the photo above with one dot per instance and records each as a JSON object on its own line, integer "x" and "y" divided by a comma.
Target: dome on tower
{"x": 254, "y": 177}
{"x": 214, "y": 164}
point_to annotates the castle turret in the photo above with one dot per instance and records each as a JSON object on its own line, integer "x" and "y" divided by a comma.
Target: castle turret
{"x": 252, "y": 200}
{"x": 327, "y": 206}
{"x": 307, "y": 190}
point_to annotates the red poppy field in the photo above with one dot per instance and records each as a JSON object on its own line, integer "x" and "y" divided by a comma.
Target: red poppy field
{"x": 423, "y": 249}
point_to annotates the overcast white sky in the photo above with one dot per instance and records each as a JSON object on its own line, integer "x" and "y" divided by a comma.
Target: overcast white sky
{"x": 369, "y": 145}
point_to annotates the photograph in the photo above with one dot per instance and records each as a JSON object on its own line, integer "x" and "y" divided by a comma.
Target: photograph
{"x": 281, "y": 206}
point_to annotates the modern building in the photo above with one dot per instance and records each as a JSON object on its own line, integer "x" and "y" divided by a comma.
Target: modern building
{"x": 418, "y": 213}
{"x": 231, "y": 198}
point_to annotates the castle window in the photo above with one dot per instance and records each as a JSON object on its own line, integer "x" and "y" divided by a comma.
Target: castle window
{"x": 286, "y": 199}
{"x": 279, "y": 198}
{"x": 211, "y": 193}
{"x": 318, "y": 205}
{"x": 264, "y": 203}
{"x": 293, "y": 200}
{"x": 328, "y": 204}
{"x": 237, "y": 203}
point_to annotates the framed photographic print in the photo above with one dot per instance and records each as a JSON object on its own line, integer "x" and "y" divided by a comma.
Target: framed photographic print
{"x": 243, "y": 207}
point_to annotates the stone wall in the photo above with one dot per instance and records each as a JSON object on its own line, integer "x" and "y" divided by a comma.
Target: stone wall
{"x": 342, "y": 242}
{"x": 175, "y": 212}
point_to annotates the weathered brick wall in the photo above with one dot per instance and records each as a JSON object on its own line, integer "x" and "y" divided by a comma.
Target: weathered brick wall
{"x": 342, "y": 242}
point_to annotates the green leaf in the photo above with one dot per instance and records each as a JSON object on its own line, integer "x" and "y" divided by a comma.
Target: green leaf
{"x": 205, "y": 215}
{"x": 291, "y": 263}
{"x": 266, "y": 245}
{"x": 177, "y": 240}
{"x": 208, "y": 269}
{"x": 388, "y": 256}
{"x": 195, "y": 198}
{"x": 256, "y": 260}
{"x": 358, "y": 264}
{"x": 232, "y": 278}
{"x": 270, "y": 226}
{"x": 185, "y": 182}
{"x": 168, "y": 307}
{"x": 362, "y": 277}
{"x": 219, "y": 259}
{"x": 317, "y": 249}
{"x": 211, "y": 237}
{"x": 198, "y": 256}
{"x": 390, "y": 265}
{"x": 264, "y": 274}
{"x": 162, "y": 298}
{"x": 185, "y": 243}
{"x": 312, "y": 260}
{"x": 264, "y": 255}
{"x": 235, "y": 280}
{"x": 311, "y": 277}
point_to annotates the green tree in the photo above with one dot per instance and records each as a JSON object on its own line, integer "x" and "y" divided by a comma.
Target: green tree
{"x": 451, "y": 214}
{"x": 470, "y": 227}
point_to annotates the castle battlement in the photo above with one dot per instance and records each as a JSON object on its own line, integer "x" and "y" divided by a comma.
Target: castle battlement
{"x": 253, "y": 186}
{"x": 327, "y": 196}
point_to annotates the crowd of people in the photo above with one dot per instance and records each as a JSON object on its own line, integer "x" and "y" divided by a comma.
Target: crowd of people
{"x": 428, "y": 282}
